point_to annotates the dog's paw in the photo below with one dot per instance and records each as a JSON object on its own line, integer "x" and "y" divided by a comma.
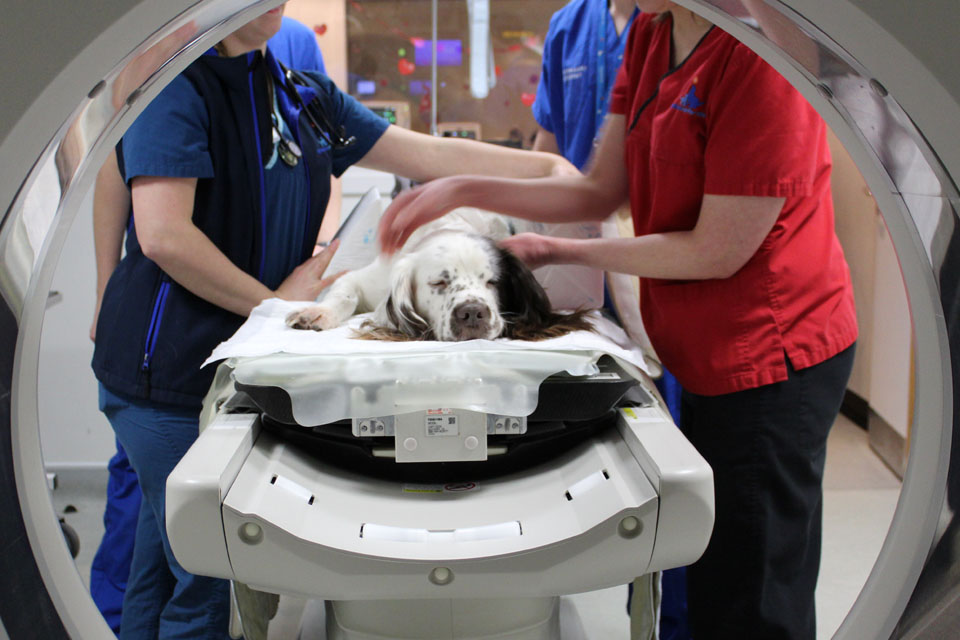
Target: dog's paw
{"x": 317, "y": 318}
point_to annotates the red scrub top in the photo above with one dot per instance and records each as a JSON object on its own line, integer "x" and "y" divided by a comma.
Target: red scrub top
{"x": 724, "y": 122}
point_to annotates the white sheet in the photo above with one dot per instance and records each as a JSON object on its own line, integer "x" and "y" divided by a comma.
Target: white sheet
{"x": 265, "y": 333}
{"x": 332, "y": 375}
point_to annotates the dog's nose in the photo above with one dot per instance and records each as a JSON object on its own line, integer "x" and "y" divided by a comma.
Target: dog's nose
{"x": 471, "y": 314}
{"x": 470, "y": 320}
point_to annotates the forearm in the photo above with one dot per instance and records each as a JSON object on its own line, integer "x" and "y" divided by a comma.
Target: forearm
{"x": 163, "y": 211}
{"x": 561, "y": 197}
{"x": 108, "y": 238}
{"x": 545, "y": 141}
{"x": 191, "y": 259}
{"x": 111, "y": 209}
{"x": 467, "y": 156}
{"x": 422, "y": 158}
{"x": 729, "y": 232}
{"x": 678, "y": 255}
{"x": 557, "y": 199}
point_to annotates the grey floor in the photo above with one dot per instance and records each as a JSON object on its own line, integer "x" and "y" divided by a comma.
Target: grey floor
{"x": 860, "y": 495}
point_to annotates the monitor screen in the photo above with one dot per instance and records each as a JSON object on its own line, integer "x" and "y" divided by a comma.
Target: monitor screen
{"x": 419, "y": 87}
{"x": 449, "y": 52}
{"x": 460, "y": 133}
{"x": 366, "y": 87}
{"x": 387, "y": 113}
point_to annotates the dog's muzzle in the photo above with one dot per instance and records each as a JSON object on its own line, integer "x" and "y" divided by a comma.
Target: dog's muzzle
{"x": 470, "y": 320}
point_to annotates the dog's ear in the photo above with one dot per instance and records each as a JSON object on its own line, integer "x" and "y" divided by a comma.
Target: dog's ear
{"x": 521, "y": 297}
{"x": 525, "y": 307}
{"x": 398, "y": 310}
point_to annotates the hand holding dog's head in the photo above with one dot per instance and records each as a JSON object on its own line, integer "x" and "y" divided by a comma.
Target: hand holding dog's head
{"x": 410, "y": 210}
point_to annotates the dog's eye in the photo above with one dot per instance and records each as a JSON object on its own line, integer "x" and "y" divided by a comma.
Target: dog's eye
{"x": 492, "y": 284}
{"x": 438, "y": 285}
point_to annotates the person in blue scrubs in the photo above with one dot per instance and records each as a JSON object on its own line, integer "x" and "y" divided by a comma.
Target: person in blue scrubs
{"x": 582, "y": 53}
{"x": 295, "y": 45}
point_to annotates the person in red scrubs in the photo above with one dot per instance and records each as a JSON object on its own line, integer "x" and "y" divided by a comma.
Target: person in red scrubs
{"x": 745, "y": 291}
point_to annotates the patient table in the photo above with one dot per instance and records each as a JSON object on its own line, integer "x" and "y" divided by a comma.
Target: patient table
{"x": 435, "y": 490}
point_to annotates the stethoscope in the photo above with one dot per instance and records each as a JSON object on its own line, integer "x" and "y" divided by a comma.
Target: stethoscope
{"x": 317, "y": 116}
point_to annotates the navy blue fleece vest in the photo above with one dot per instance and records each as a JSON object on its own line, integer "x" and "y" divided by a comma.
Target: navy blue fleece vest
{"x": 152, "y": 334}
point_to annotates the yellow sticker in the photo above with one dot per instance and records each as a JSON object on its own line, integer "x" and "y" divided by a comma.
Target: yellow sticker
{"x": 422, "y": 488}
{"x": 630, "y": 412}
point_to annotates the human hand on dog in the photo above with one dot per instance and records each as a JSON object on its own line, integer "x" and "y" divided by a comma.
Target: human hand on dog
{"x": 307, "y": 281}
{"x": 532, "y": 249}
{"x": 412, "y": 209}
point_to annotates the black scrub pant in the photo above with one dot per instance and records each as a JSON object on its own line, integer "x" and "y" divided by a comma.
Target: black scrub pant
{"x": 767, "y": 448}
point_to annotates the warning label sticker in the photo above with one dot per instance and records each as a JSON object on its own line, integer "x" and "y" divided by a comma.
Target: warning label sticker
{"x": 443, "y": 424}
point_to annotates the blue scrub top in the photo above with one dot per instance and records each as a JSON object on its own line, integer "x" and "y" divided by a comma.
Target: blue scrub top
{"x": 571, "y": 103}
{"x": 170, "y": 139}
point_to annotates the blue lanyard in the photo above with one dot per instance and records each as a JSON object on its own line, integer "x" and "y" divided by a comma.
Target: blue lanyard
{"x": 603, "y": 88}
{"x": 601, "y": 68}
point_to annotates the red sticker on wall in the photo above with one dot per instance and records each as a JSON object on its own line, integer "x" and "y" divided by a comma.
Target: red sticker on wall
{"x": 320, "y": 29}
{"x": 405, "y": 67}
{"x": 528, "y": 98}
{"x": 425, "y": 103}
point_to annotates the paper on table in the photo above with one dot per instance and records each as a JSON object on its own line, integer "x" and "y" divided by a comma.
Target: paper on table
{"x": 358, "y": 234}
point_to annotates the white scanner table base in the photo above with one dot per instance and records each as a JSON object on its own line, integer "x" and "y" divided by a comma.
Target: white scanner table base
{"x": 479, "y": 560}
{"x": 529, "y": 619}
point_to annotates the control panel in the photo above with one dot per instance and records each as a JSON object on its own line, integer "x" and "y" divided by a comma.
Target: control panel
{"x": 393, "y": 111}
{"x": 469, "y": 130}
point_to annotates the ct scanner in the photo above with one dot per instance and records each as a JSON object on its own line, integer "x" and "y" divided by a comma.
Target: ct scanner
{"x": 881, "y": 72}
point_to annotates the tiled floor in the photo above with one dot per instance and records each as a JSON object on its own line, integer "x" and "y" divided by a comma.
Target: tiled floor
{"x": 860, "y": 494}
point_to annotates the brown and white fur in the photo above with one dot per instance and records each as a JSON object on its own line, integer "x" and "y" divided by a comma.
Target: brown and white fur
{"x": 450, "y": 281}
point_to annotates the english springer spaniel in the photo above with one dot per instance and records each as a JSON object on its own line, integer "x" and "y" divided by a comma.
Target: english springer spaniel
{"x": 450, "y": 281}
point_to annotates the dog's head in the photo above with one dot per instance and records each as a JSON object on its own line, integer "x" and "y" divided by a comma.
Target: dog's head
{"x": 460, "y": 286}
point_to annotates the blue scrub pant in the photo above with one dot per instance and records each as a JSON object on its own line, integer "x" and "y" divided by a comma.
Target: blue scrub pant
{"x": 162, "y": 600}
{"x": 111, "y": 563}
{"x": 767, "y": 447}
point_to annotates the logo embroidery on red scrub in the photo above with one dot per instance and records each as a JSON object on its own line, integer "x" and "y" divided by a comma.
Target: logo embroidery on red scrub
{"x": 690, "y": 103}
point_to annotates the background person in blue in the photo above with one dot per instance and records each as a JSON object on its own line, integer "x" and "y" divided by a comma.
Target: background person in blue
{"x": 296, "y": 46}
{"x": 229, "y": 181}
{"x": 582, "y": 53}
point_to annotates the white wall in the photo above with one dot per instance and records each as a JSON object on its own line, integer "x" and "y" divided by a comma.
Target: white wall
{"x": 882, "y": 373}
{"x": 856, "y": 216}
{"x": 890, "y": 375}
{"x": 73, "y": 432}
